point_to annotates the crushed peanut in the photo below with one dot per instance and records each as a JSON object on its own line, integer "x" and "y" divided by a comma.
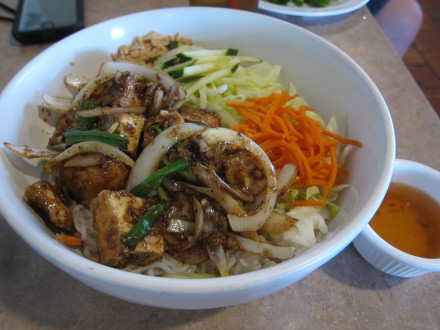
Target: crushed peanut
{"x": 145, "y": 49}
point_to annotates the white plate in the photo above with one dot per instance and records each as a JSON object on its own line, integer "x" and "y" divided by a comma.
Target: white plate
{"x": 337, "y": 7}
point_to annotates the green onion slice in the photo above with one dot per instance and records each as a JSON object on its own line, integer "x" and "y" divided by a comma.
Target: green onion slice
{"x": 144, "y": 225}
{"x": 81, "y": 122}
{"x": 153, "y": 182}
{"x": 71, "y": 137}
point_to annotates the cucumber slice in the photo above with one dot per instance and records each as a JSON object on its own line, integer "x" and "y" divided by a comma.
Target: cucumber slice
{"x": 233, "y": 66}
{"x": 208, "y": 52}
{"x": 183, "y": 58}
{"x": 190, "y": 79}
{"x": 225, "y": 59}
{"x": 193, "y": 70}
{"x": 173, "y": 62}
{"x": 170, "y": 55}
{"x": 174, "y": 44}
{"x": 179, "y": 66}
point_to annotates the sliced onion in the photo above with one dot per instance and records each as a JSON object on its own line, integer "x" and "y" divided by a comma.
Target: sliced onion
{"x": 57, "y": 103}
{"x": 158, "y": 98}
{"x": 218, "y": 258}
{"x": 146, "y": 71}
{"x": 175, "y": 97}
{"x": 264, "y": 249}
{"x": 212, "y": 180}
{"x": 75, "y": 83}
{"x": 198, "y": 221}
{"x": 278, "y": 223}
{"x": 149, "y": 159}
{"x": 286, "y": 177}
{"x": 180, "y": 226}
{"x": 90, "y": 146}
{"x": 86, "y": 160}
{"x": 88, "y": 89}
{"x": 208, "y": 225}
{"x": 345, "y": 151}
{"x": 203, "y": 147}
{"x": 110, "y": 110}
{"x": 29, "y": 152}
{"x": 226, "y": 201}
{"x": 254, "y": 219}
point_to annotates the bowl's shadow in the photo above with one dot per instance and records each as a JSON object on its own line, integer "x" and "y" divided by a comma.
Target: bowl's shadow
{"x": 351, "y": 269}
{"x": 36, "y": 292}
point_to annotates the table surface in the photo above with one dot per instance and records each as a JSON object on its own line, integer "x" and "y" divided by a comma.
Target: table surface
{"x": 344, "y": 293}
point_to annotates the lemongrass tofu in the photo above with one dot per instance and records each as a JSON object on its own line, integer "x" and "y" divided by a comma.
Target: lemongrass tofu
{"x": 84, "y": 175}
{"x": 114, "y": 214}
{"x": 62, "y": 126}
{"x": 129, "y": 126}
{"x": 48, "y": 199}
{"x": 122, "y": 91}
{"x": 192, "y": 114}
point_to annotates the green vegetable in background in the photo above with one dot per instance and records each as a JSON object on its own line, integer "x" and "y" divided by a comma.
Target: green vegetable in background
{"x": 280, "y": 2}
{"x": 317, "y": 3}
{"x": 312, "y": 3}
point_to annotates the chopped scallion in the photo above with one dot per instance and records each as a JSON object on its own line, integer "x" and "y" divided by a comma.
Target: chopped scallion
{"x": 84, "y": 122}
{"x": 71, "y": 137}
{"x": 153, "y": 182}
{"x": 186, "y": 173}
{"x": 144, "y": 225}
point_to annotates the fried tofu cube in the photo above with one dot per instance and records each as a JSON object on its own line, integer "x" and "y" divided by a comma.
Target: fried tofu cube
{"x": 150, "y": 249}
{"x": 47, "y": 198}
{"x": 114, "y": 214}
{"x": 130, "y": 126}
{"x": 85, "y": 182}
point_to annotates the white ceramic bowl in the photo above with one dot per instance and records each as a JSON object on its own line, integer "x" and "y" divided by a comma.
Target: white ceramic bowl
{"x": 383, "y": 255}
{"x": 324, "y": 75}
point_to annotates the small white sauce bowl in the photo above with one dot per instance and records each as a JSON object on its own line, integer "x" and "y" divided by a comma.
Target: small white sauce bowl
{"x": 383, "y": 255}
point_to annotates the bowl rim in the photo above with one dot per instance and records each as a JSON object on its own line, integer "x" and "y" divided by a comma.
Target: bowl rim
{"x": 432, "y": 264}
{"x": 307, "y": 265}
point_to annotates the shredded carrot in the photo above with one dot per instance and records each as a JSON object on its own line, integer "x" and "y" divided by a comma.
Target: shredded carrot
{"x": 289, "y": 135}
{"x": 68, "y": 239}
{"x": 342, "y": 140}
{"x": 95, "y": 260}
{"x": 309, "y": 203}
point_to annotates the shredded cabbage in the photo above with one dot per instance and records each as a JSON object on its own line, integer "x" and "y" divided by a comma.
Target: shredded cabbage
{"x": 256, "y": 80}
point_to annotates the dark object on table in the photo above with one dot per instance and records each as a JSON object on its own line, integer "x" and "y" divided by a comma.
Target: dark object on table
{"x": 39, "y": 21}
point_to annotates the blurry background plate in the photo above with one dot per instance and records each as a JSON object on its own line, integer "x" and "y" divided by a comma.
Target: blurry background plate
{"x": 337, "y": 7}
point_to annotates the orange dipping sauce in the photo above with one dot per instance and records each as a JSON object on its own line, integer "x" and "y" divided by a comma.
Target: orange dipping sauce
{"x": 409, "y": 219}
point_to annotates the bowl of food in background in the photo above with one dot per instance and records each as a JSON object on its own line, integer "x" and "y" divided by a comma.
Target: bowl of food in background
{"x": 402, "y": 239}
{"x": 311, "y": 131}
